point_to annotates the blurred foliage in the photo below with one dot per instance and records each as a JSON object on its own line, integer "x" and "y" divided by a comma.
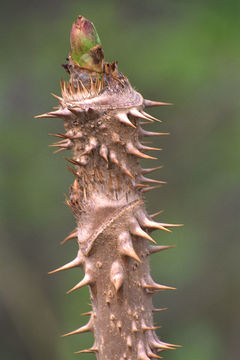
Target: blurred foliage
{"x": 186, "y": 52}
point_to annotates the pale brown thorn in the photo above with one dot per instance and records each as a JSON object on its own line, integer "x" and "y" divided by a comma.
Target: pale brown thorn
{"x": 151, "y": 117}
{"x": 123, "y": 118}
{"x": 57, "y": 97}
{"x": 148, "y": 171}
{"x": 151, "y": 188}
{"x": 90, "y": 350}
{"x": 85, "y": 281}
{"x": 155, "y": 249}
{"x": 160, "y": 309}
{"x": 72, "y": 264}
{"x": 150, "y": 103}
{"x": 83, "y": 329}
{"x": 72, "y": 235}
{"x": 86, "y": 313}
{"x": 156, "y": 214}
{"x": 131, "y": 149}
{"x": 74, "y": 172}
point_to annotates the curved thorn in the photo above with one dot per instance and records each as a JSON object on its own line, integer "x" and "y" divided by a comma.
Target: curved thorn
{"x": 126, "y": 246}
{"x": 124, "y": 119}
{"x": 136, "y": 230}
{"x": 72, "y": 264}
{"x": 72, "y": 235}
{"x": 86, "y": 328}
{"x": 139, "y": 114}
{"x": 131, "y": 149}
{"x": 85, "y": 281}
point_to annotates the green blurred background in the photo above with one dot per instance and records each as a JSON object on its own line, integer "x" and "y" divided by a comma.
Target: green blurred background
{"x": 183, "y": 51}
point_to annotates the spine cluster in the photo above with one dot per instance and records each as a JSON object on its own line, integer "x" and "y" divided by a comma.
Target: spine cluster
{"x": 103, "y": 119}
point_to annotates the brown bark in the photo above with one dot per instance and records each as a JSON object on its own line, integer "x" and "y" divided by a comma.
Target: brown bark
{"x": 102, "y": 117}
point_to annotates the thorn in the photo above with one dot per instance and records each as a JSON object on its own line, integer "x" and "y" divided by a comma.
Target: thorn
{"x": 156, "y": 286}
{"x": 113, "y": 158}
{"x": 139, "y": 114}
{"x": 85, "y": 281}
{"x": 155, "y": 249}
{"x": 150, "y": 117}
{"x": 152, "y": 355}
{"x": 126, "y": 171}
{"x": 46, "y": 115}
{"x": 124, "y": 119}
{"x": 150, "y": 103}
{"x": 72, "y": 235}
{"x": 156, "y": 214}
{"x": 72, "y": 264}
{"x": 117, "y": 275}
{"x": 83, "y": 329}
{"x": 148, "y": 171}
{"x": 61, "y": 113}
{"x": 59, "y": 135}
{"x": 147, "y": 180}
{"x": 148, "y": 148}
{"x": 141, "y": 353}
{"x": 104, "y": 152}
{"x": 143, "y": 132}
{"x": 160, "y": 309}
{"x": 144, "y": 221}
{"x": 136, "y": 230}
{"x": 162, "y": 345}
{"x": 126, "y": 246}
{"x": 57, "y": 97}
{"x": 75, "y": 110}
{"x": 90, "y": 350}
{"x": 152, "y": 188}
{"x": 131, "y": 149}
{"x": 86, "y": 313}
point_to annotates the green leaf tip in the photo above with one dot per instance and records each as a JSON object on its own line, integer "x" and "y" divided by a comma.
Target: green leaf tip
{"x": 86, "y": 49}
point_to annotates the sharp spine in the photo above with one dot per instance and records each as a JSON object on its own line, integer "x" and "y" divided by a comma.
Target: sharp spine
{"x": 147, "y": 180}
{"x": 72, "y": 264}
{"x": 131, "y": 149}
{"x": 86, "y": 328}
{"x": 141, "y": 353}
{"x": 126, "y": 246}
{"x": 155, "y": 286}
{"x": 72, "y": 235}
{"x": 87, "y": 280}
{"x": 155, "y": 249}
{"x": 136, "y": 230}
{"x": 150, "y": 170}
{"x": 124, "y": 119}
{"x": 143, "y": 132}
{"x": 151, "y": 188}
{"x": 139, "y": 114}
{"x": 150, "y": 103}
